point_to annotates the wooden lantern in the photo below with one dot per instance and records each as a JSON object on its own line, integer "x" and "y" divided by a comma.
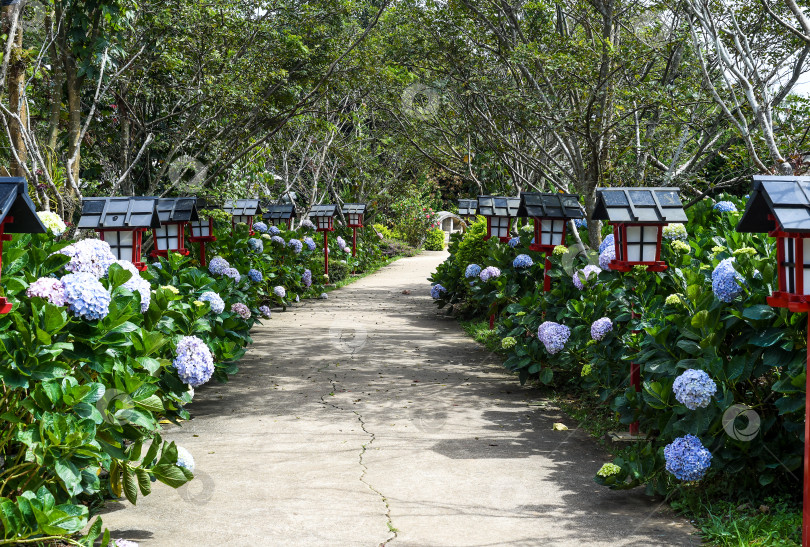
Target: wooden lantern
{"x": 243, "y": 210}
{"x": 279, "y": 214}
{"x": 324, "y": 216}
{"x": 353, "y": 213}
{"x": 174, "y": 214}
{"x": 202, "y": 229}
{"x": 499, "y": 212}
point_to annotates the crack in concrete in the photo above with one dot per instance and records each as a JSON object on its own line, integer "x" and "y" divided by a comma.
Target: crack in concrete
{"x": 363, "y": 465}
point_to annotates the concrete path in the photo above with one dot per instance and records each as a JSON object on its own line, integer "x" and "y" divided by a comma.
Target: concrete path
{"x": 370, "y": 419}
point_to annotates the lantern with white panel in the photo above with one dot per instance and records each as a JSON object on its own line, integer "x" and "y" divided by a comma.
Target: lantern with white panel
{"x": 174, "y": 214}
{"x": 499, "y": 212}
{"x": 638, "y": 216}
{"x": 121, "y": 222}
{"x": 202, "y": 229}
{"x": 551, "y": 213}
{"x": 243, "y": 211}
{"x": 468, "y": 209}
{"x": 323, "y": 216}
{"x": 279, "y": 214}
{"x": 353, "y": 213}
{"x": 17, "y": 216}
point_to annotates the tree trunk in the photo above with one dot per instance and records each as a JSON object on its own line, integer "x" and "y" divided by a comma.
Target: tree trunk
{"x": 57, "y": 81}
{"x": 16, "y": 92}
{"x": 127, "y": 188}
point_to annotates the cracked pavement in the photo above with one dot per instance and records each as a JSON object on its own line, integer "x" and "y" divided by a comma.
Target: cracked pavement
{"x": 371, "y": 419}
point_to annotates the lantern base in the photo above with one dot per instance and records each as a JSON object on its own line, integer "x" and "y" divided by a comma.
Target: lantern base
{"x": 5, "y": 306}
{"x": 626, "y": 266}
{"x": 537, "y": 247}
{"x": 796, "y": 303}
{"x": 201, "y": 239}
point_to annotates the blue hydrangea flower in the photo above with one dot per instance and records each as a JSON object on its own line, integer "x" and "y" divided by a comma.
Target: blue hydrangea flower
{"x": 436, "y": 291}
{"x": 580, "y": 223}
{"x": 193, "y": 361}
{"x": 490, "y": 272}
{"x": 726, "y": 282}
{"x": 472, "y": 271}
{"x": 91, "y": 256}
{"x": 137, "y": 284}
{"x": 522, "y": 261}
{"x": 296, "y": 245}
{"x": 273, "y": 230}
{"x": 600, "y": 328}
{"x": 265, "y": 311}
{"x": 553, "y": 335}
{"x": 694, "y": 389}
{"x": 280, "y": 291}
{"x": 725, "y": 207}
{"x": 306, "y": 279}
{"x": 260, "y": 227}
{"x": 157, "y": 265}
{"x": 86, "y": 297}
{"x": 185, "y": 459}
{"x": 606, "y": 257}
{"x": 255, "y": 275}
{"x": 687, "y": 458}
{"x": 588, "y": 273}
{"x": 233, "y": 273}
{"x": 310, "y": 243}
{"x": 514, "y": 242}
{"x": 216, "y": 301}
{"x": 255, "y": 245}
{"x": 278, "y": 240}
{"x": 306, "y": 223}
{"x": 218, "y": 265}
{"x": 607, "y": 242}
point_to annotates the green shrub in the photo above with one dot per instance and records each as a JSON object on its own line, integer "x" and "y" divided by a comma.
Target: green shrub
{"x": 434, "y": 240}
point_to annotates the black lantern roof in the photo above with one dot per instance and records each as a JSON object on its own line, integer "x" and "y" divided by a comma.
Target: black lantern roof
{"x": 15, "y": 203}
{"x": 787, "y": 198}
{"x": 467, "y": 207}
{"x": 354, "y": 208}
{"x": 639, "y": 205}
{"x": 498, "y": 206}
{"x": 176, "y": 209}
{"x": 279, "y": 212}
{"x": 323, "y": 210}
{"x": 118, "y": 213}
{"x": 559, "y": 206}
{"x": 203, "y": 203}
{"x": 243, "y": 207}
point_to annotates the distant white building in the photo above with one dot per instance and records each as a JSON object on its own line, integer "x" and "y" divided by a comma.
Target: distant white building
{"x": 450, "y": 223}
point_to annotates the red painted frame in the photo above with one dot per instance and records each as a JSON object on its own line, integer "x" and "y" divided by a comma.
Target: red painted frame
{"x": 503, "y": 239}
{"x": 546, "y": 249}
{"x": 137, "y": 243}
{"x": 795, "y": 302}
{"x": 202, "y": 240}
{"x": 5, "y": 305}
{"x": 620, "y": 242}
{"x": 181, "y": 241}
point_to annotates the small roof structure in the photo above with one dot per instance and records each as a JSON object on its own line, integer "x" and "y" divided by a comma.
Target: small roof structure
{"x": 498, "y": 206}
{"x": 642, "y": 205}
{"x": 327, "y": 210}
{"x": 15, "y": 203}
{"x": 242, "y": 207}
{"x": 557, "y": 206}
{"x": 279, "y": 211}
{"x": 786, "y": 198}
{"x": 467, "y": 207}
{"x": 354, "y": 208}
{"x": 176, "y": 209}
{"x": 118, "y": 213}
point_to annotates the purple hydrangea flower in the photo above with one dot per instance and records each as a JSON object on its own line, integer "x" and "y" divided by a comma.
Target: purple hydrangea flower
{"x": 241, "y": 310}
{"x": 306, "y": 223}
{"x": 157, "y": 265}
{"x": 280, "y": 291}
{"x": 436, "y": 291}
{"x": 193, "y": 361}
{"x": 341, "y": 243}
{"x": 514, "y": 242}
{"x": 687, "y": 458}
{"x": 259, "y": 227}
{"x": 92, "y": 256}
{"x": 588, "y": 273}
{"x": 185, "y": 459}
{"x": 233, "y": 273}
{"x": 310, "y": 243}
{"x": 297, "y": 299}
{"x": 273, "y": 230}
{"x": 694, "y": 389}
{"x": 255, "y": 245}
{"x": 726, "y": 281}
{"x": 255, "y": 275}
{"x": 490, "y": 272}
{"x": 725, "y": 207}
{"x": 306, "y": 279}
{"x": 218, "y": 265}
{"x": 600, "y": 328}
{"x": 606, "y": 257}
{"x": 296, "y": 245}
{"x": 49, "y": 288}
{"x": 522, "y": 261}
{"x": 123, "y": 543}
{"x": 137, "y": 284}
{"x": 265, "y": 311}
{"x": 607, "y": 242}
{"x": 85, "y": 296}
{"x": 553, "y": 335}
{"x": 216, "y": 301}
{"x": 278, "y": 240}
{"x": 472, "y": 271}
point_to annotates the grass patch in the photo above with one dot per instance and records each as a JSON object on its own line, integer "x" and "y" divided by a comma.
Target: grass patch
{"x": 479, "y": 331}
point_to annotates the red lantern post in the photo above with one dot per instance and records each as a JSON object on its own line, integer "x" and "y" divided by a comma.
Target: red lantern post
{"x": 323, "y": 216}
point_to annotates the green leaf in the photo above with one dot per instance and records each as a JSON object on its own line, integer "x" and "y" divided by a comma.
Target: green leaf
{"x": 130, "y": 485}
{"x": 170, "y": 474}
{"x": 759, "y": 312}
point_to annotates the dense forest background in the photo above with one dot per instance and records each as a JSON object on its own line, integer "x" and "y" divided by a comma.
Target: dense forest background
{"x": 382, "y": 102}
